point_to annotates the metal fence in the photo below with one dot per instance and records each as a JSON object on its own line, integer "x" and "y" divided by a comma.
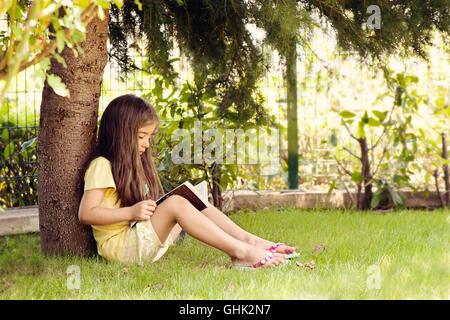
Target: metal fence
{"x": 326, "y": 79}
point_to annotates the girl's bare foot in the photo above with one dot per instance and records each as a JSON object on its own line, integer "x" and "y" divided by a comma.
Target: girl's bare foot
{"x": 285, "y": 249}
{"x": 254, "y": 255}
{"x": 265, "y": 244}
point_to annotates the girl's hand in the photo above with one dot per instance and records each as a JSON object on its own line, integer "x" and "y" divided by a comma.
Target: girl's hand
{"x": 143, "y": 210}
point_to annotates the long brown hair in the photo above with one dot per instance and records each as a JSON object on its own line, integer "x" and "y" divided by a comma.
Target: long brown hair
{"x": 118, "y": 142}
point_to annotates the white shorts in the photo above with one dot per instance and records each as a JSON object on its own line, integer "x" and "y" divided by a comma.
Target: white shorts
{"x": 143, "y": 244}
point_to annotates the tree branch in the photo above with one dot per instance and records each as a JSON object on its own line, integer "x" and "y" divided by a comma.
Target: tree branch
{"x": 352, "y": 199}
{"x": 86, "y": 16}
{"x": 349, "y": 151}
{"x": 342, "y": 166}
{"x": 385, "y": 128}
{"x": 349, "y": 131}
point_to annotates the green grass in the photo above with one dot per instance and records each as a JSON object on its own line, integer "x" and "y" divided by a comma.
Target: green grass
{"x": 409, "y": 249}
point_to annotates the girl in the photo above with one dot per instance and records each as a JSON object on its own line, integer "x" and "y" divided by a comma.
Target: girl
{"x": 121, "y": 184}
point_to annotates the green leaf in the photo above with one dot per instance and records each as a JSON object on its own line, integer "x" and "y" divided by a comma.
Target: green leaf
{"x": 60, "y": 59}
{"x": 350, "y": 121}
{"x": 397, "y": 198}
{"x": 139, "y": 4}
{"x": 172, "y": 112}
{"x": 173, "y": 60}
{"x": 347, "y": 114}
{"x": 373, "y": 122}
{"x": 79, "y": 49}
{"x": 365, "y": 118}
{"x": 57, "y": 85}
{"x": 332, "y": 187}
{"x": 158, "y": 89}
{"x": 32, "y": 40}
{"x": 60, "y": 40}
{"x": 9, "y": 150}
{"x": 78, "y": 35}
{"x": 412, "y": 79}
{"x": 380, "y": 115}
{"x": 45, "y": 64}
{"x": 357, "y": 177}
{"x": 85, "y": 3}
{"x": 378, "y": 195}
{"x": 444, "y": 112}
{"x": 360, "y": 132}
{"x": 5, "y": 135}
{"x": 397, "y": 178}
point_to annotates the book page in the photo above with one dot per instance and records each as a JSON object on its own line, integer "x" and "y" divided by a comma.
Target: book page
{"x": 202, "y": 189}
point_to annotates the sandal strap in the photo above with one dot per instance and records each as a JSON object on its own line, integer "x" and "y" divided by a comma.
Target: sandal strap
{"x": 265, "y": 260}
{"x": 275, "y": 246}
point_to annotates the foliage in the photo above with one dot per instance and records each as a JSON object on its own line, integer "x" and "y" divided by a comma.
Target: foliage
{"x": 216, "y": 54}
{"x": 184, "y": 108}
{"x": 215, "y": 36}
{"x": 398, "y": 137}
{"x": 406, "y": 26}
{"x": 40, "y": 30}
{"x": 212, "y": 34}
{"x": 284, "y": 23}
{"x": 18, "y": 186}
{"x": 37, "y": 31}
{"x": 434, "y": 140}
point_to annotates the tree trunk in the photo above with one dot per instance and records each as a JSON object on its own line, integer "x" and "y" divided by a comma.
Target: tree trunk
{"x": 216, "y": 193}
{"x": 67, "y": 133}
{"x": 436, "y": 183}
{"x": 445, "y": 169}
{"x": 367, "y": 187}
{"x": 292, "y": 124}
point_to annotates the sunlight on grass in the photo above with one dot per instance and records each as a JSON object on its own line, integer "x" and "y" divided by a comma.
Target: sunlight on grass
{"x": 397, "y": 255}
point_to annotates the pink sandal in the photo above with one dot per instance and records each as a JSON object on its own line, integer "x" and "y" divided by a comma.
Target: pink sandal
{"x": 260, "y": 263}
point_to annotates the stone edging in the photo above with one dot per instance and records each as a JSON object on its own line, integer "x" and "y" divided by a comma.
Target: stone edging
{"x": 23, "y": 220}
{"x": 252, "y": 200}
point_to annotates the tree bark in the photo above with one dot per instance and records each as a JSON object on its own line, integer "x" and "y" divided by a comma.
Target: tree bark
{"x": 215, "y": 180}
{"x": 445, "y": 169}
{"x": 67, "y": 134}
{"x": 436, "y": 183}
{"x": 367, "y": 196}
{"x": 292, "y": 123}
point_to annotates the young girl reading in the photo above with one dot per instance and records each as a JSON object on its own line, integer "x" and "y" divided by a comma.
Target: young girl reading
{"x": 122, "y": 184}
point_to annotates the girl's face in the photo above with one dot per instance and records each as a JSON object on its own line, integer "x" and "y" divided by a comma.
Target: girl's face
{"x": 144, "y": 134}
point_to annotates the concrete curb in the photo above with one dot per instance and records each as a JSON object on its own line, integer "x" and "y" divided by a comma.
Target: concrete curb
{"x": 26, "y": 219}
{"x": 23, "y": 220}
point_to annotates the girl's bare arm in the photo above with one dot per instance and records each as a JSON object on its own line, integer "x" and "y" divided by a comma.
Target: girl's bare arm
{"x": 91, "y": 213}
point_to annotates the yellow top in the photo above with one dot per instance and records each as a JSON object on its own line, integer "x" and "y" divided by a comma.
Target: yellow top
{"x": 111, "y": 239}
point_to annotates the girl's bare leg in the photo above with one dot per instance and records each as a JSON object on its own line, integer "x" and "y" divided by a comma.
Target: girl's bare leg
{"x": 227, "y": 225}
{"x": 175, "y": 232}
{"x": 176, "y": 209}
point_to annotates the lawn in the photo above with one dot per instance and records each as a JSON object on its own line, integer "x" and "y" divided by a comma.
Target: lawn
{"x": 393, "y": 255}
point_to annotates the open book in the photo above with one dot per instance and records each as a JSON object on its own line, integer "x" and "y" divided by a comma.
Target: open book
{"x": 197, "y": 195}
